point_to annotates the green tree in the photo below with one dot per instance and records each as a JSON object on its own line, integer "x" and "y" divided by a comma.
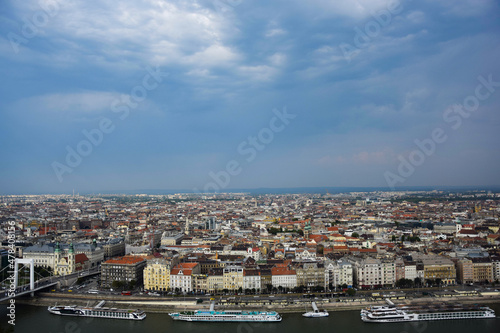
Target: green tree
{"x": 117, "y": 285}
{"x": 131, "y": 284}
{"x": 355, "y": 235}
{"x": 351, "y": 292}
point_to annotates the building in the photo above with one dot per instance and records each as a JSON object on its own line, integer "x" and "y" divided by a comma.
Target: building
{"x": 283, "y": 276}
{"x": 338, "y": 273}
{"x": 64, "y": 265}
{"x": 114, "y": 248}
{"x": 157, "y": 274}
{"x": 372, "y": 273}
{"x": 215, "y": 280}
{"x": 483, "y": 269}
{"x": 171, "y": 238}
{"x": 126, "y": 269}
{"x": 310, "y": 274}
{"x": 233, "y": 277}
{"x": 410, "y": 270}
{"x": 251, "y": 280}
{"x": 439, "y": 267}
{"x": 181, "y": 276}
{"x": 495, "y": 266}
{"x": 44, "y": 255}
{"x": 465, "y": 271}
{"x": 200, "y": 282}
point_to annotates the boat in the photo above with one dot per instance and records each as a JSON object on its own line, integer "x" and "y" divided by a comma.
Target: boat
{"x": 226, "y": 316}
{"x": 315, "y": 313}
{"x": 97, "y": 312}
{"x": 391, "y": 314}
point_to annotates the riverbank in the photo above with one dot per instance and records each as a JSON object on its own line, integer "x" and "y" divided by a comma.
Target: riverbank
{"x": 161, "y": 305}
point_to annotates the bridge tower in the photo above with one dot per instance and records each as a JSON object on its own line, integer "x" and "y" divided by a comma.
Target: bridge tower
{"x": 32, "y": 271}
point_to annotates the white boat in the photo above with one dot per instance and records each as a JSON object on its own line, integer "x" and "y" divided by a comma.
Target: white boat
{"x": 315, "y": 313}
{"x": 97, "y": 312}
{"x": 390, "y": 314}
{"x": 226, "y": 316}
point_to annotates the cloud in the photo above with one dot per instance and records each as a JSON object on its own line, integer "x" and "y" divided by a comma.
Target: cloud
{"x": 85, "y": 102}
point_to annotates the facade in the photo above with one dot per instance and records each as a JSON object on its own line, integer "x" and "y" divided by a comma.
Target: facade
{"x": 200, "y": 282}
{"x": 495, "y": 266}
{"x": 370, "y": 272}
{"x": 400, "y": 269}
{"x": 465, "y": 271}
{"x": 64, "y": 265}
{"x": 215, "y": 280}
{"x": 45, "y": 255}
{"x": 171, "y": 239}
{"x": 233, "y": 277}
{"x": 157, "y": 275}
{"x": 310, "y": 274}
{"x": 283, "y": 277}
{"x": 114, "y": 248}
{"x": 124, "y": 269}
{"x": 438, "y": 267}
{"x": 483, "y": 269}
{"x": 181, "y": 276}
{"x": 251, "y": 280}
{"x": 338, "y": 273}
{"x": 410, "y": 270}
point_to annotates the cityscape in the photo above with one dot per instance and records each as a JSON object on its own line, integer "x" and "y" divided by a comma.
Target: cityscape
{"x": 238, "y": 243}
{"x": 213, "y": 165}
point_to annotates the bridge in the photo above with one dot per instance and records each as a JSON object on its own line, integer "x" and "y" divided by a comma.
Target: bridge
{"x": 43, "y": 283}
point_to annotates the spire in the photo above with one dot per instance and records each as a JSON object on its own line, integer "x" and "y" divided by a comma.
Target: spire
{"x": 71, "y": 249}
{"x": 57, "y": 249}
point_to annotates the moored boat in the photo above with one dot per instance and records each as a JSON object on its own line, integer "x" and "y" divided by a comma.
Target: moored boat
{"x": 97, "y": 312}
{"x": 226, "y": 316}
{"x": 315, "y": 313}
{"x": 390, "y": 314}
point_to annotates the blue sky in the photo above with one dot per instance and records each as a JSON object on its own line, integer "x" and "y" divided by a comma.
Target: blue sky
{"x": 360, "y": 82}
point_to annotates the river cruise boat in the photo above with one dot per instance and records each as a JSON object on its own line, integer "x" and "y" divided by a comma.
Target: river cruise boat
{"x": 315, "y": 313}
{"x": 97, "y": 312}
{"x": 226, "y": 316}
{"x": 393, "y": 314}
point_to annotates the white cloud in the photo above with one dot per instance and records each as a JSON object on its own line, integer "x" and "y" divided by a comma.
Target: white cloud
{"x": 275, "y": 32}
{"x": 357, "y": 9}
{"x": 87, "y": 102}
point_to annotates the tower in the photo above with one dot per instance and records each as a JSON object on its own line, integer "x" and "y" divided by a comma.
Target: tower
{"x": 71, "y": 259}
{"x": 57, "y": 253}
{"x": 186, "y": 229}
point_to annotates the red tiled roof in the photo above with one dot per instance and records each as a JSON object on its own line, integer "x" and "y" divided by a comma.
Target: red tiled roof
{"x": 126, "y": 260}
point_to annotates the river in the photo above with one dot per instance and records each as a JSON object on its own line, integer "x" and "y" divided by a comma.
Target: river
{"x": 33, "y": 319}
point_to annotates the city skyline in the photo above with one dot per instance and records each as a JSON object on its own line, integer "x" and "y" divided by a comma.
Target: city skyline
{"x": 217, "y": 95}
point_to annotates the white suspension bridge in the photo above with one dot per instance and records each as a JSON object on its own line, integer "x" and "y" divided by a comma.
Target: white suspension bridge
{"x": 13, "y": 289}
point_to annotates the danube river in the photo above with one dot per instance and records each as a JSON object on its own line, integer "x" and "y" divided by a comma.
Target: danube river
{"x": 33, "y": 319}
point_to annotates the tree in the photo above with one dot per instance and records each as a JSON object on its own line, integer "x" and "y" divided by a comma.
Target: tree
{"x": 404, "y": 283}
{"x": 351, "y": 292}
{"x": 117, "y": 285}
{"x": 393, "y": 238}
{"x": 131, "y": 284}
{"x": 355, "y": 235}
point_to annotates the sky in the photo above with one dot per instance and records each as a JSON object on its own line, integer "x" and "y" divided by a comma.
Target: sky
{"x": 211, "y": 95}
